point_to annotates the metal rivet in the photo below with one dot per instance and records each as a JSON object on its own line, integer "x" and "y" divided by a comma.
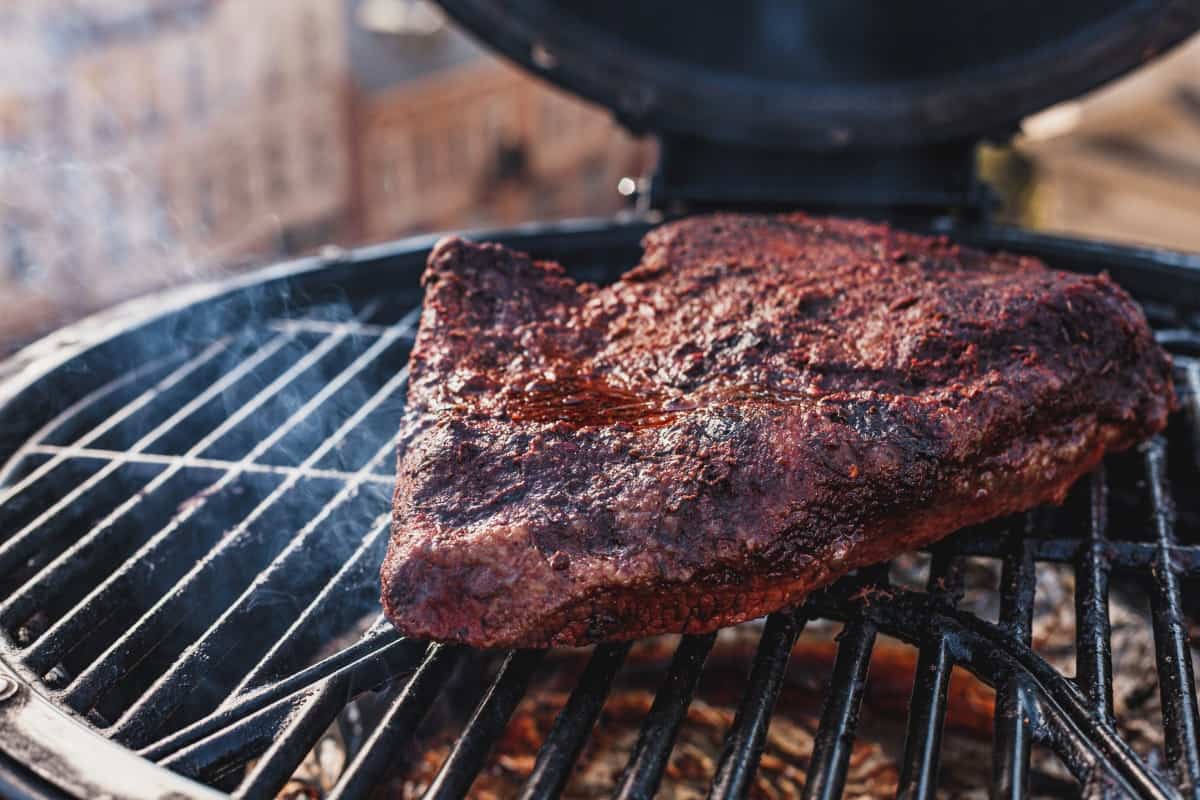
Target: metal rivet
{"x": 542, "y": 57}
{"x": 8, "y": 688}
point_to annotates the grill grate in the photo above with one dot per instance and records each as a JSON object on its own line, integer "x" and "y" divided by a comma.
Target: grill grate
{"x": 184, "y": 551}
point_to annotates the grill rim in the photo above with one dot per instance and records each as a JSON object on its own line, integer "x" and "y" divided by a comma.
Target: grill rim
{"x": 44, "y": 741}
{"x": 1160, "y": 275}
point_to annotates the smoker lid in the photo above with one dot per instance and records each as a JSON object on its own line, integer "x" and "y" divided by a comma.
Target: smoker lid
{"x": 824, "y": 74}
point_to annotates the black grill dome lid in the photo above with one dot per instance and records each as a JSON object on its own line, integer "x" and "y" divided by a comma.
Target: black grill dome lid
{"x": 828, "y": 74}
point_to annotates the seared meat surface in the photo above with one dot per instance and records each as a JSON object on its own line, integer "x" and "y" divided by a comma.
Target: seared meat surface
{"x": 763, "y": 404}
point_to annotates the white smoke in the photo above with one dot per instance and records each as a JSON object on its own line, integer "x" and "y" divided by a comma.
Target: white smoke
{"x": 148, "y": 142}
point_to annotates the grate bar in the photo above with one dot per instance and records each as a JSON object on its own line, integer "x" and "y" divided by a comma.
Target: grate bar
{"x": 238, "y": 739}
{"x": 1177, "y": 683}
{"x": 574, "y": 723}
{"x": 399, "y": 723}
{"x": 745, "y": 740}
{"x": 172, "y": 687}
{"x": 101, "y": 673}
{"x": 230, "y": 748}
{"x": 1015, "y": 702}
{"x": 192, "y": 462}
{"x": 927, "y": 715}
{"x": 1121, "y": 554}
{"x": 992, "y": 655}
{"x": 486, "y": 725}
{"x": 1093, "y": 629}
{"x": 931, "y": 682}
{"x": 288, "y": 748}
{"x": 362, "y": 566}
{"x": 1076, "y": 754}
{"x": 378, "y": 656}
{"x": 839, "y": 718}
{"x": 291, "y": 745}
{"x": 1191, "y": 380}
{"x": 179, "y": 374}
{"x": 656, "y": 739}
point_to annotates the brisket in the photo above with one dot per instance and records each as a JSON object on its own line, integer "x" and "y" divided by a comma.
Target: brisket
{"x": 762, "y": 405}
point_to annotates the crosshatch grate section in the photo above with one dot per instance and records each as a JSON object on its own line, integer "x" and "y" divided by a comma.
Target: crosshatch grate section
{"x": 189, "y": 563}
{"x": 191, "y": 498}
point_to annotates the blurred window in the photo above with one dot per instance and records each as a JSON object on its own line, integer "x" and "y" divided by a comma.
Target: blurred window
{"x": 594, "y": 177}
{"x": 311, "y": 43}
{"x": 206, "y": 203}
{"x": 320, "y": 154}
{"x": 102, "y": 84}
{"x": 551, "y": 122}
{"x": 151, "y": 112}
{"x": 276, "y": 167}
{"x": 423, "y": 166}
{"x": 546, "y": 200}
{"x": 163, "y": 214}
{"x": 104, "y": 127}
{"x": 19, "y": 263}
{"x": 231, "y": 67}
{"x": 383, "y": 172}
{"x": 457, "y": 155}
{"x": 56, "y": 120}
{"x": 197, "y": 90}
{"x": 275, "y": 78}
{"x": 494, "y": 123}
{"x": 14, "y": 127}
{"x": 116, "y": 236}
{"x": 237, "y": 186}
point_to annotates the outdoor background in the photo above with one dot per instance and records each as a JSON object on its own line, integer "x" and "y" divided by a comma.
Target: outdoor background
{"x": 144, "y": 143}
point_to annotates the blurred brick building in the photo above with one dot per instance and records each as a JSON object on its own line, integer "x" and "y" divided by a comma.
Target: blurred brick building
{"x": 447, "y": 136}
{"x": 1124, "y": 162}
{"x": 145, "y": 139}
{"x": 145, "y": 142}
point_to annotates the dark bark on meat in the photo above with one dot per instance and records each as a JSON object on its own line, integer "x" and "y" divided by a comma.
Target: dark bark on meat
{"x": 762, "y": 405}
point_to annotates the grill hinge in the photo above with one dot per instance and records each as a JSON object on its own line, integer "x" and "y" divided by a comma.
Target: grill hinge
{"x": 696, "y": 175}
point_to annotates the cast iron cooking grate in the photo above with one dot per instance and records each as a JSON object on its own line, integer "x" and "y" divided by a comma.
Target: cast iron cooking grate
{"x": 189, "y": 551}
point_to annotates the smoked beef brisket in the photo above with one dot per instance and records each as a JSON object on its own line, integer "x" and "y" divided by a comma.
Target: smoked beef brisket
{"x": 763, "y": 404}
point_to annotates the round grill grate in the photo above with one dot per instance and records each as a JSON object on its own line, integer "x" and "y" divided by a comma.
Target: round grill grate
{"x": 189, "y": 548}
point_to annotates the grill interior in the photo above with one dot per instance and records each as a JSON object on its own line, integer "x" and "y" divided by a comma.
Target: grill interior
{"x": 189, "y": 556}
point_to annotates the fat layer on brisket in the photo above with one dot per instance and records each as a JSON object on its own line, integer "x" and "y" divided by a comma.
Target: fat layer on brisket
{"x": 763, "y": 404}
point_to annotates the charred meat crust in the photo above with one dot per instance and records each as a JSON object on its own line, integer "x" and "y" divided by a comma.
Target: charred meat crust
{"x": 763, "y": 404}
